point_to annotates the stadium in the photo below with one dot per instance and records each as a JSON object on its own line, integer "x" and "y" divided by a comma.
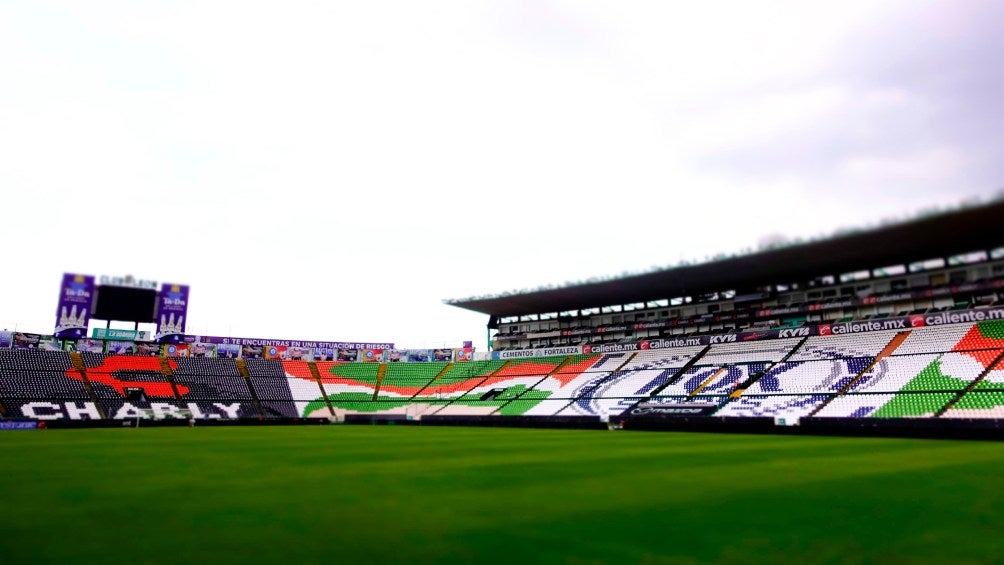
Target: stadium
{"x": 501, "y": 282}
{"x": 803, "y": 354}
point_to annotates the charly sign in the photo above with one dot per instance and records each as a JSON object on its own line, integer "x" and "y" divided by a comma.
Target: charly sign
{"x": 42, "y": 410}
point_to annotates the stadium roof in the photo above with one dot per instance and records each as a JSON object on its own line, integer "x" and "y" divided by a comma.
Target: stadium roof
{"x": 970, "y": 229}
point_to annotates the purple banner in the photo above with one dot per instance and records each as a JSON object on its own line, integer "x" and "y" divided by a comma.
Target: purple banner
{"x": 26, "y": 341}
{"x": 86, "y": 346}
{"x": 173, "y": 307}
{"x": 6, "y": 338}
{"x": 258, "y": 342}
{"x": 120, "y": 347}
{"x": 72, "y": 313}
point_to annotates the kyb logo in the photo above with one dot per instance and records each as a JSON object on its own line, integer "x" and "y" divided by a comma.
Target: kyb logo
{"x": 794, "y": 332}
{"x": 730, "y": 338}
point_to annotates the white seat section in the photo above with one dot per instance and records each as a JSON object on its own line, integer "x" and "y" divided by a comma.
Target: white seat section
{"x": 747, "y": 351}
{"x": 547, "y": 407}
{"x": 525, "y": 381}
{"x": 791, "y": 406}
{"x": 596, "y": 406}
{"x": 934, "y": 339}
{"x": 995, "y": 377}
{"x": 949, "y": 371}
{"x": 299, "y": 387}
{"x": 713, "y": 379}
{"x": 631, "y": 383}
{"x": 663, "y": 358}
{"x": 609, "y": 362}
{"x": 961, "y": 366}
{"x": 691, "y": 379}
{"x": 850, "y": 345}
{"x": 854, "y": 405}
{"x": 805, "y": 377}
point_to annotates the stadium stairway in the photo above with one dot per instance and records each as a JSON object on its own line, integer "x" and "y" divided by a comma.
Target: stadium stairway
{"x": 552, "y": 372}
{"x": 794, "y": 350}
{"x": 888, "y": 350}
{"x": 78, "y": 363}
{"x": 242, "y": 368}
{"x": 314, "y": 372}
{"x": 972, "y": 386}
{"x": 381, "y": 373}
{"x": 754, "y": 378}
{"x": 165, "y": 368}
{"x": 708, "y": 381}
{"x": 438, "y": 376}
{"x": 681, "y": 371}
{"x": 476, "y": 385}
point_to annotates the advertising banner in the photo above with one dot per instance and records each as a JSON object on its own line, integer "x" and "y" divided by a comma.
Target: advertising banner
{"x": 524, "y": 353}
{"x": 419, "y": 355}
{"x": 25, "y": 340}
{"x": 347, "y": 355}
{"x": 323, "y": 353}
{"x": 123, "y": 335}
{"x": 228, "y": 350}
{"x": 957, "y": 317}
{"x": 50, "y": 343}
{"x": 372, "y": 355}
{"x": 120, "y": 347}
{"x": 18, "y": 425}
{"x": 176, "y": 350}
{"x": 6, "y": 338}
{"x": 252, "y": 351}
{"x": 292, "y": 353}
{"x": 85, "y": 345}
{"x": 463, "y": 354}
{"x": 396, "y": 355}
{"x": 201, "y": 350}
{"x": 148, "y": 349}
{"x": 171, "y": 312}
{"x": 275, "y": 351}
{"x": 75, "y": 297}
{"x": 902, "y": 323}
{"x": 442, "y": 355}
{"x": 671, "y": 407}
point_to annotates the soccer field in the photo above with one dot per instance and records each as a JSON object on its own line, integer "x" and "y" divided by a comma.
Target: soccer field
{"x": 390, "y": 494}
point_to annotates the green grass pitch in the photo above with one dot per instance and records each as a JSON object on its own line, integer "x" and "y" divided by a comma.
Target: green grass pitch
{"x": 364, "y": 494}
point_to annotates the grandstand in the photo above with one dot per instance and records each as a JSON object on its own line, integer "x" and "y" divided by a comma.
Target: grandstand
{"x": 832, "y": 330}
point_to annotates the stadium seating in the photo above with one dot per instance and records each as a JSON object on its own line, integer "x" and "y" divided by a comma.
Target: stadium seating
{"x": 948, "y": 371}
{"x": 34, "y": 374}
{"x": 868, "y": 344}
{"x": 785, "y": 406}
{"x": 745, "y": 352}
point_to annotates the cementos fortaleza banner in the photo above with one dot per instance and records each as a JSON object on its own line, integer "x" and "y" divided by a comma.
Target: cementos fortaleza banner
{"x": 172, "y": 311}
{"x": 72, "y": 313}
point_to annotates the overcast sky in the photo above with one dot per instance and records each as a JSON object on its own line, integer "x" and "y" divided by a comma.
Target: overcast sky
{"x": 334, "y": 170}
